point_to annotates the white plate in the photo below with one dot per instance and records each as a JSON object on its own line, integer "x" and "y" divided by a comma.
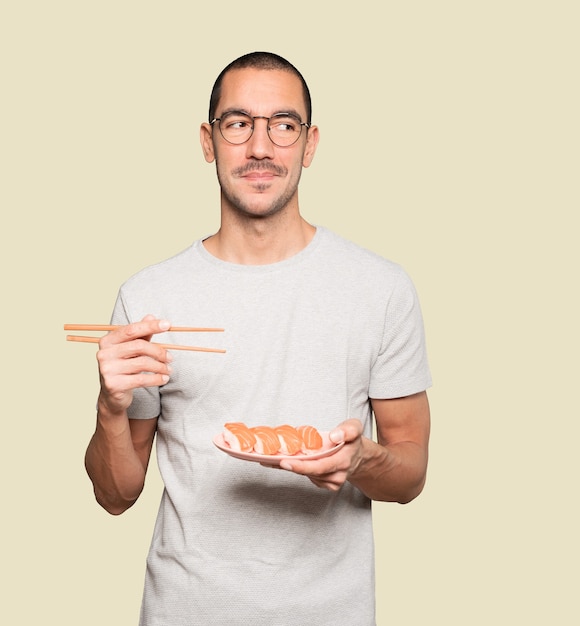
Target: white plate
{"x": 328, "y": 448}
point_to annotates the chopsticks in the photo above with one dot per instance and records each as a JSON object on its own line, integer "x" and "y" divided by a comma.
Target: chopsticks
{"x": 168, "y": 346}
{"x": 176, "y": 329}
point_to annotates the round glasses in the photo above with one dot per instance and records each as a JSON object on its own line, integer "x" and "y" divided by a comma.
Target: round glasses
{"x": 284, "y": 129}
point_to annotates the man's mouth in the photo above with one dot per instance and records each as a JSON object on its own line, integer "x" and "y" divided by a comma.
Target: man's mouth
{"x": 259, "y": 175}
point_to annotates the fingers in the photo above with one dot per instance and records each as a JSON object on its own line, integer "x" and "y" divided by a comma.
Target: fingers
{"x": 147, "y": 364}
{"x": 128, "y": 360}
{"x": 333, "y": 471}
{"x": 349, "y": 430}
{"x": 144, "y": 329}
{"x": 128, "y": 351}
{"x": 328, "y": 473}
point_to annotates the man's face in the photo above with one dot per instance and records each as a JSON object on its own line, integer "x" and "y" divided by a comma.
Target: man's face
{"x": 258, "y": 178}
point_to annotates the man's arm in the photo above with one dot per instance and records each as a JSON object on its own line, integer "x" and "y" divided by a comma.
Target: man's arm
{"x": 119, "y": 451}
{"x": 395, "y": 468}
{"x": 117, "y": 458}
{"x": 392, "y": 469}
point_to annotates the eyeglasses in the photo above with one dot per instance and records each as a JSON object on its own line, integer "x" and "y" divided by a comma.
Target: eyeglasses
{"x": 284, "y": 129}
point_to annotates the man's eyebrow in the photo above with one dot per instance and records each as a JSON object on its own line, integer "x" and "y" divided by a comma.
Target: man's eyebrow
{"x": 290, "y": 111}
{"x": 234, "y": 110}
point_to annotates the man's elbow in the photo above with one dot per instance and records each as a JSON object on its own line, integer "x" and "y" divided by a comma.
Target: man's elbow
{"x": 114, "y": 506}
{"x": 412, "y": 492}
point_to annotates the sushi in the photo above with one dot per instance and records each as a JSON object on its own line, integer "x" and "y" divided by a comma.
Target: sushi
{"x": 311, "y": 438}
{"x": 290, "y": 439}
{"x": 267, "y": 441}
{"x": 239, "y": 437}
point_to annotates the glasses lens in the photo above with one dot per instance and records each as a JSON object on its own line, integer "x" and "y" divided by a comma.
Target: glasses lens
{"x": 236, "y": 127}
{"x": 284, "y": 129}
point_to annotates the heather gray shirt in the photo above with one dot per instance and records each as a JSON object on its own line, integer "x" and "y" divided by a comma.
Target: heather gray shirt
{"x": 308, "y": 340}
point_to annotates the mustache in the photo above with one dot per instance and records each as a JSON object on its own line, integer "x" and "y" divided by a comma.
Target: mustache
{"x": 260, "y": 166}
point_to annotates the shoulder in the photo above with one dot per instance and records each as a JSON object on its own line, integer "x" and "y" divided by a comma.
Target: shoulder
{"x": 359, "y": 260}
{"x": 163, "y": 271}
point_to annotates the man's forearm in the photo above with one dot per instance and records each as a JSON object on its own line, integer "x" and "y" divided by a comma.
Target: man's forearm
{"x": 113, "y": 465}
{"x": 391, "y": 473}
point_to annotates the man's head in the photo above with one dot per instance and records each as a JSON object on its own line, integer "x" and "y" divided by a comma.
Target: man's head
{"x": 259, "y": 61}
{"x": 257, "y": 135}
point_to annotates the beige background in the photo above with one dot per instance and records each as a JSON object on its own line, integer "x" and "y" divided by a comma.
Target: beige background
{"x": 450, "y": 143}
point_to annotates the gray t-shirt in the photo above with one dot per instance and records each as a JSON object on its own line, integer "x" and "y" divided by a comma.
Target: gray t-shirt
{"x": 308, "y": 340}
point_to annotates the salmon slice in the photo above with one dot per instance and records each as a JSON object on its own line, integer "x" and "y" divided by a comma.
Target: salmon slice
{"x": 290, "y": 439}
{"x": 311, "y": 438}
{"x": 267, "y": 441}
{"x": 239, "y": 437}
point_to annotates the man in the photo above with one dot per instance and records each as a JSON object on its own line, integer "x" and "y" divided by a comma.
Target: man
{"x": 317, "y": 331}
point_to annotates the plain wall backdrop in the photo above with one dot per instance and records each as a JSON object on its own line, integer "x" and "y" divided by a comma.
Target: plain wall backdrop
{"x": 449, "y": 144}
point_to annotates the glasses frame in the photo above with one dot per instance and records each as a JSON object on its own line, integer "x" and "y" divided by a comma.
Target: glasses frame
{"x": 261, "y": 117}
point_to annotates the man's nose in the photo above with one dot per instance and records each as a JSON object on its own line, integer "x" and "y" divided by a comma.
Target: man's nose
{"x": 259, "y": 145}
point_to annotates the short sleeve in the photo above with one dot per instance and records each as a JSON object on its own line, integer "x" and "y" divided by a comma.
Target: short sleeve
{"x": 401, "y": 367}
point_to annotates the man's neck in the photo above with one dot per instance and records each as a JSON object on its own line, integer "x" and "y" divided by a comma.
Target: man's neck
{"x": 260, "y": 241}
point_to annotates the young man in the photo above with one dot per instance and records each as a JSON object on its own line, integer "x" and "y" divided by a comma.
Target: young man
{"x": 318, "y": 331}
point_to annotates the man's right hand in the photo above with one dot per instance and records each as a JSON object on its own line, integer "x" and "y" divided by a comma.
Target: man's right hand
{"x": 128, "y": 360}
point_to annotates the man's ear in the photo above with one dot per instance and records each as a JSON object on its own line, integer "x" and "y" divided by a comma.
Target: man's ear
{"x": 206, "y": 139}
{"x": 311, "y": 143}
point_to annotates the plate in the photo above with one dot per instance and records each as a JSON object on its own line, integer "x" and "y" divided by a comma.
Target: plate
{"x": 328, "y": 449}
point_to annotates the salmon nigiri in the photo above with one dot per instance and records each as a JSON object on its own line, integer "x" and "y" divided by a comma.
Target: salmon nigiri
{"x": 290, "y": 439}
{"x": 239, "y": 437}
{"x": 267, "y": 441}
{"x": 311, "y": 438}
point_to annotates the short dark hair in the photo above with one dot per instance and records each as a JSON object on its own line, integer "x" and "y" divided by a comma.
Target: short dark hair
{"x": 260, "y": 61}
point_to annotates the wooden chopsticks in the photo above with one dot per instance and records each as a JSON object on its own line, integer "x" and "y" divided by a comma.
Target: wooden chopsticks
{"x": 176, "y": 329}
{"x": 169, "y": 346}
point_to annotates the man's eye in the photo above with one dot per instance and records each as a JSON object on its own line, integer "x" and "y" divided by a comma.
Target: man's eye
{"x": 237, "y": 124}
{"x": 284, "y": 126}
